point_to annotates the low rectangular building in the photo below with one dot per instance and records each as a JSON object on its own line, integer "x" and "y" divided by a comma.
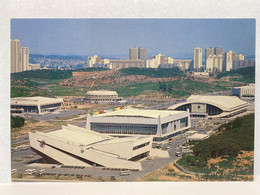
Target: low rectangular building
{"x": 36, "y": 105}
{"x": 162, "y": 124}
{"x": 244, "y": 91}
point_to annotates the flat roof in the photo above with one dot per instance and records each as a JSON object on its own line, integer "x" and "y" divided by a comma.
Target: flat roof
{"x": 140, "y": 113}
{"x": 79, "y": 137}
{"x": 85, "y": 137}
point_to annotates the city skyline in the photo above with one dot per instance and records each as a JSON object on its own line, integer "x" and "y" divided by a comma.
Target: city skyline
{"x": 114, "y": 37}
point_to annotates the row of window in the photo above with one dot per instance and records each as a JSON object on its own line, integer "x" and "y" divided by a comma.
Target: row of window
{"x": 183, "y": 123}
{"x": 51, "y": 105}
{"x": 141, "y": 145}
{"x": 134, "y": 132}
{"x": 96, "y": 126}
{"x": 102, "y": 95}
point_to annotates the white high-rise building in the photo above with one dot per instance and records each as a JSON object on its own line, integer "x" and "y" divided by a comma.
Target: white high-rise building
{"x": 229, "y": 60}
{"x": 25, "y": 58}
{"x": 214, "y": 63}
{"x": 197, "y": 59}
{"x": 15, "y": 56}
{"x": 241, "y": 57}
{"x": 209, "y": 51}
{"x": 93, "y": 60}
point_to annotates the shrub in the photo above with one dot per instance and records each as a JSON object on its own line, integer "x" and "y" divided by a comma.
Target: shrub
{"x": 17, "y": 121}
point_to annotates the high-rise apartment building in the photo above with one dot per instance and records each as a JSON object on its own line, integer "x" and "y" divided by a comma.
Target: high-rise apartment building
{"x": 241, "y": 57}
{"x": 197, "y": 59}
{"x": 133, "y": 53}
{"x": 209, "y": 51}
{"x": 218, "y": 51}
{"x": 25, "y": 58}
{"x": 229, "y": 60}
{"x": 142, "y": 54}
{"x": 15, "y": 56}
{"x": 214, "y": 63}
{"x": 137, "y": 53}
{"x": 214, "y": 59}
{"x": 93, "y": 60}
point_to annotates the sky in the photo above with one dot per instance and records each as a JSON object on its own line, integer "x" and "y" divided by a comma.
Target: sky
{"x": 114, "y": 37}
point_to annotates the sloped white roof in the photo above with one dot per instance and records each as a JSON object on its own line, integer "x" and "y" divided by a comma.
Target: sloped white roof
{"x": 101, "y": 92}
{"x": 37, "y": 100}
{"x": 226, "y": 103}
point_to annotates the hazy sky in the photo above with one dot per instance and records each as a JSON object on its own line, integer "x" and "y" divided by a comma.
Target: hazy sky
{"x": 114, "y": 37}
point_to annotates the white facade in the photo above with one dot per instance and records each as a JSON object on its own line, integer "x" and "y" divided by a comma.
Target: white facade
{"x": 15, "y": 56}
{"x": 102, "y": 96}
{"x": 213, "y": 106}
{"x": 36, "y": 105}
{"x": 34, "y": 67}
{"x": 245, "y": 91}
{"x": 197, "y": 58}
{"x": 214, "y": 63}
{"x": 229, "y": 60}
{"x": 25, "y": 58}
{"x": 128, "y": 122}
{"x": 93, "y": 60}
{"x": 77, "y": 146}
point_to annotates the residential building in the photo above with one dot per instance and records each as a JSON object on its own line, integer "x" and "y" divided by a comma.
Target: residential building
{"x": 25, "y": 58}
{"x": 209, "y": 51}
{"x": 218, "y": 51}
{"x": 133, "y": 53}
{"x": 197, "y": 59}
{"x": 142, "y": 54}
{"x": 93, "y": 60}
{"x": 15, "y": 56}
{"x": 229, "y": 60}
{"x": 34, "y": 66}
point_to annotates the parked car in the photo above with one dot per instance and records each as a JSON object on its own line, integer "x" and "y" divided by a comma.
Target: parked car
{"x": 122, "y": 173}
{"x": 178, "y": 154}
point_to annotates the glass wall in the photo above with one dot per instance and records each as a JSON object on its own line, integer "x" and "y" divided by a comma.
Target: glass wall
{"x": 184, "y": 107}
{"x": 124, "y": 128}
{"x": 26, "y": 109}
{"x": 213, "y": 110}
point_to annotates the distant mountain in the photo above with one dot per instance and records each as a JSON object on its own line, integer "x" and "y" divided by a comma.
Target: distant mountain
{"x": 59, "y": 57}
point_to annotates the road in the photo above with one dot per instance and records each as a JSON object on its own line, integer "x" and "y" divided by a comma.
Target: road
{"x": 55, "y": 115}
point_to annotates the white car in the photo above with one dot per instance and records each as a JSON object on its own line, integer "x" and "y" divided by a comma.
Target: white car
{"x": 14, "y": 171}
{"x": 125, "y": 173}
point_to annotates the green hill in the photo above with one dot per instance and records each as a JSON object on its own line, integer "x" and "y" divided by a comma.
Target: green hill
{"x": 246, "y": 75}
{"x": 231, "y": 139}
